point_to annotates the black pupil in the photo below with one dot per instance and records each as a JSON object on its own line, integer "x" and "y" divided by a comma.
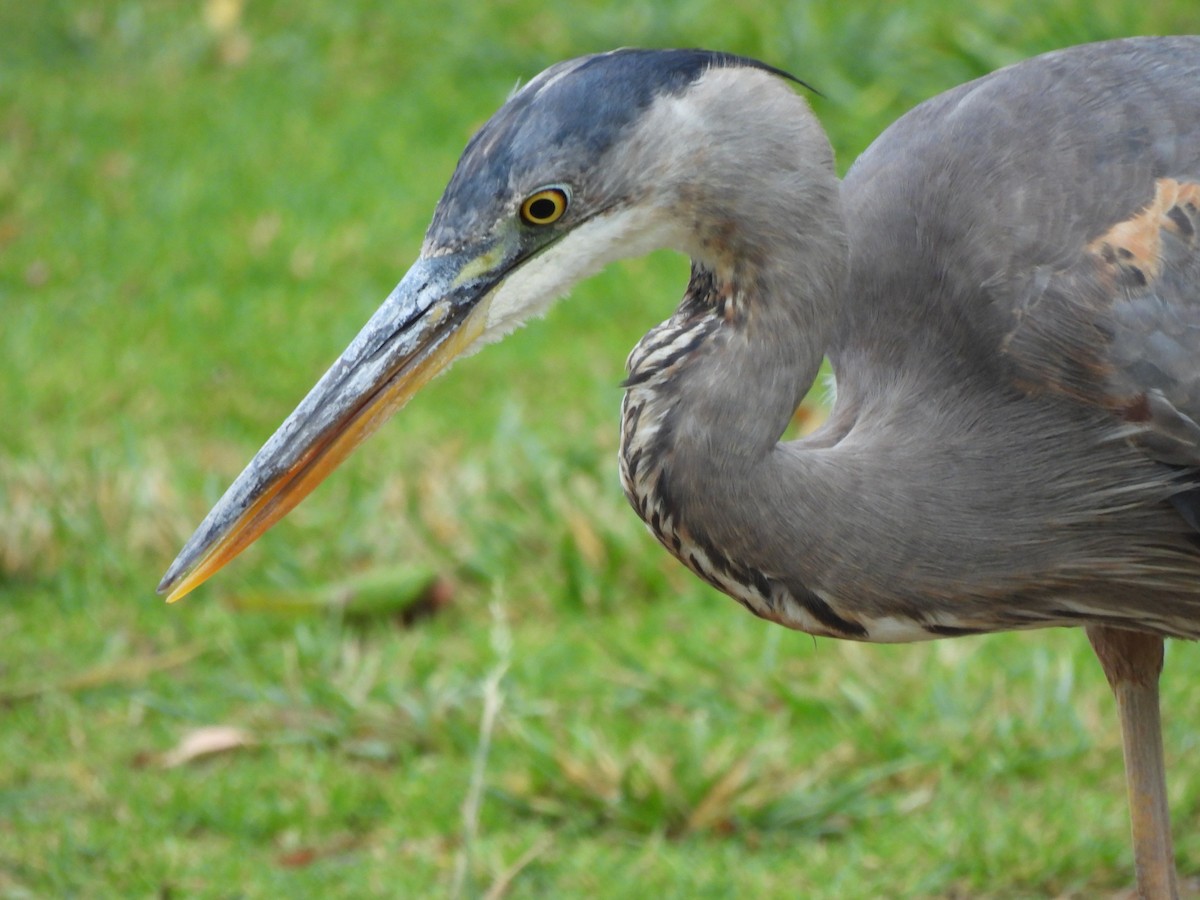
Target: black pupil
{"x": 542, "y": 208}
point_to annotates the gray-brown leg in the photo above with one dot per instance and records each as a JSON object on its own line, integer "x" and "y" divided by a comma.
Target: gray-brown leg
{"x": 1132, "y": 662}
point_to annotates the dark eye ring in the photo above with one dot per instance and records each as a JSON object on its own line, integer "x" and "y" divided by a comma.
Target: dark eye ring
{"x": 545, "y": 206}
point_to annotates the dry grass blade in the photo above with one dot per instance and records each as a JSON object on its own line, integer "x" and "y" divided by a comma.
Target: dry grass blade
{"x": 123, "y": 670}
{"x": 204, "y": 742}
{"x": 493, "y": 699}
{"x": 717, "y": 804}
{"x": 504, "y": 881}
{"x": 50, "y": 506}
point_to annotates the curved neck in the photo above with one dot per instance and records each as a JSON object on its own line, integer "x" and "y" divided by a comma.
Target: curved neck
{"x": 767, "y": 239}
{"x": 711, "y": 390}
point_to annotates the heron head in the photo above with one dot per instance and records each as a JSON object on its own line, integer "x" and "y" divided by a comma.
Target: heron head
{"x": 586, "y": 163}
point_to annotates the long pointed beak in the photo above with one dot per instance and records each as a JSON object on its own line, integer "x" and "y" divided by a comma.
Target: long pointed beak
{"x": 436, "y": 312}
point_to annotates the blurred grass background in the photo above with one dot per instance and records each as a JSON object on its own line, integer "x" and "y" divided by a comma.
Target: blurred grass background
{"x": 200, "y": 203}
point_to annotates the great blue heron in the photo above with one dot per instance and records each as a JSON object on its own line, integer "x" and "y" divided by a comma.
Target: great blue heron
{"x": 1007, "y": 285}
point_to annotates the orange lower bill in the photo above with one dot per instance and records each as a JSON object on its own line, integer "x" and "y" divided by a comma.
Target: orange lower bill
{"x": 279, "y": 497}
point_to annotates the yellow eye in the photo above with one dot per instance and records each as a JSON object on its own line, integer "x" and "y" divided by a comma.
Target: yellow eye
{"x": 544, "y": 207}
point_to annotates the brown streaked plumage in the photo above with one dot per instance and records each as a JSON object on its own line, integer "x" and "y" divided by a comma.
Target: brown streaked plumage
{"x": 1007, "y": 285}
{"x": 1134, "y": 248}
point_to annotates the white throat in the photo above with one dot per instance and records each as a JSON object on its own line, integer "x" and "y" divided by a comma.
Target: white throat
{"x": 531, "y": 289}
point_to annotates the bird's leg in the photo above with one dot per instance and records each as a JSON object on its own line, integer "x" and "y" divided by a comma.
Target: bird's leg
{"x": 1132, "y": 662}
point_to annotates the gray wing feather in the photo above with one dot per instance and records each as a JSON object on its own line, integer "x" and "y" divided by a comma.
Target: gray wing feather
{"x": 1097, "y": 263}
{"x": 1155, "y": 348}
{"x": 1121, "y": 326}
{"x": 1073, "y": 248}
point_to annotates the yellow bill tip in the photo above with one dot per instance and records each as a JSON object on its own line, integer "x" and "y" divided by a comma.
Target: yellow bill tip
{"x": 273, "y": 499}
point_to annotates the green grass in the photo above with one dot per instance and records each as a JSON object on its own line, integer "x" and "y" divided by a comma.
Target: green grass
{"x": 194, "y": 220}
